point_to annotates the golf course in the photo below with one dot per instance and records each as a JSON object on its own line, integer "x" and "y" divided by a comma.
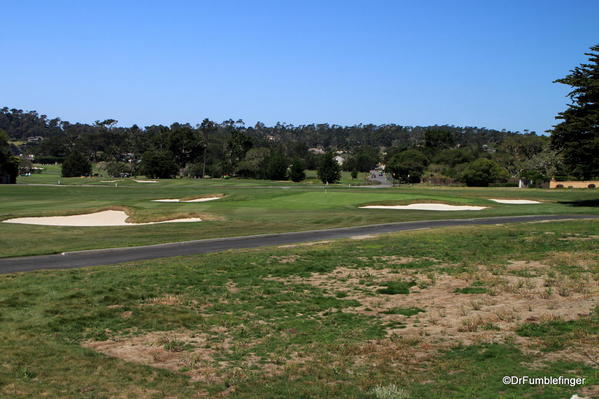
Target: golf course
{"x": 271, "y": 321}
{"x": 244, "y": 207}
{"x": 299, "y": 200}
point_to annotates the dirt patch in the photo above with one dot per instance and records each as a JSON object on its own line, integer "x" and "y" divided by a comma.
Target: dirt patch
{"x": 284, "y": 259}
{"x": 168, "y": 300}
{"x": 400, "y": 260}
{"x": 583, "y": 350}
{"x": 583, "y": 259}
{"x": 196, "y": 354}
{"x": 446, "y": 310}
{"x": 159, "y": 349}
{"x": 579, "y": 238}
{"x": 305, "y": 244}
{"x": 362, "y": 237}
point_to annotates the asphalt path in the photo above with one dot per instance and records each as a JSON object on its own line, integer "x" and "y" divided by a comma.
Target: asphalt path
{"x": 96, "y": 257}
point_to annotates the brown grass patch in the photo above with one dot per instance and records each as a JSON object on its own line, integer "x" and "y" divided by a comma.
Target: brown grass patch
{"x": 285, "y": 259}
{"x": 448, "y": 315}
{"x": 305, "y": 244}
{"x": 584, "y": 259}
{"x": 194, "y": 354}
{"x": 167, "y": 300}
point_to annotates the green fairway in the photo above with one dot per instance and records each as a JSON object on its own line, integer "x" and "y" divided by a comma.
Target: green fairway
{"x": 416, "y": 314}
{"x": 249, "y": 207}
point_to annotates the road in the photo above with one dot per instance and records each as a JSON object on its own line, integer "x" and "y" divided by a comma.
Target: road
{"x": 109, "y": 256}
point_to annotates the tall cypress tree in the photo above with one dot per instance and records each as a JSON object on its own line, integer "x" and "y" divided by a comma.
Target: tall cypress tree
{"x": 577, "y": 136}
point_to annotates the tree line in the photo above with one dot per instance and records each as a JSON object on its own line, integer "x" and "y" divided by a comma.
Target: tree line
{"x": 438, "y": 154}
{"x": 278, "y": 152}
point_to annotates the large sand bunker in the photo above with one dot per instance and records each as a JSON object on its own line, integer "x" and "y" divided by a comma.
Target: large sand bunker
{"x": 145, "y": 181}
{"x": 96, "y": 219}
{"x": 191, "y": 200}
{"x": 515, "y": 202}
{"x": 427, "y": 207}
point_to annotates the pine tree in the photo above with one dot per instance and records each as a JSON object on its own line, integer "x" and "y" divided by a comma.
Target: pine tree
{"x": 577, "y": 136}
{"x": 297, "y": 172}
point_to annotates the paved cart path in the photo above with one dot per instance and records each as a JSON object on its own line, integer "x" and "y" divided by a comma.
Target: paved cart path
{"x": 109, "y": 256}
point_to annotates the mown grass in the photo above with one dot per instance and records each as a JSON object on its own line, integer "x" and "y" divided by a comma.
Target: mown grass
{"x": 249, "y": 207}
{"x": 305, "y": 341}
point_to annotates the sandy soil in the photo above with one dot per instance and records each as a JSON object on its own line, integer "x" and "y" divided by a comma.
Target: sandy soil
{"x": 104, "y": 218}
{"x": 427, "y": 207}
{"x": 193, "y": 200}
{"x": 515, "y": 202}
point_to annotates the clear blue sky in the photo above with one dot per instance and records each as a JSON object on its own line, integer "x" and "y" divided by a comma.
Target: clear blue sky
{"x": 475, "y": 63}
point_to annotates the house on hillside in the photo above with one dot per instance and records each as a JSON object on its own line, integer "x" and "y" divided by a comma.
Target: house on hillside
{"x": 316, "y": 150}
{"x": 34, "y": 139}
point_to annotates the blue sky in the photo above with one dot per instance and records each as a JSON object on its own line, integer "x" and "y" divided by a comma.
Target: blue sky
{"x": 474, "y": 63}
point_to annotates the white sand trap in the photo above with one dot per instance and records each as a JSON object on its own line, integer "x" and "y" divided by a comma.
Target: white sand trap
{"x": 145, "y": 181}
{"x": 515, "y": 202}
{"x": 203, "y": 199}
{"x": 103, "y": 218}
{"x": 193, "y": 200}
{"x": 427, "y": 207}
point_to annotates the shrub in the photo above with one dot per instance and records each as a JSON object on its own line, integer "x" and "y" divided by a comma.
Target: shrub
{"x": 483, "y": 171}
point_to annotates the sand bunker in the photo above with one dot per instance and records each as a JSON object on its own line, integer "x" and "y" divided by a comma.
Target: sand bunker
{"x": 427, "y": 207}
{"x": 515, "y": 202}
{"x": 103, "y": 218}
{"x": 145, "y": 181}
{"x": 192, "y": 200}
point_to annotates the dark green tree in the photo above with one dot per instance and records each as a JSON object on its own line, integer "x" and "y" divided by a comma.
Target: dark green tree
{"x": 76, "y": 164}
{"x": 255, "y": 163}
{"x": 186, "y": 144}
{"x": 116, "y": 169}
{"x": 482, "y": 172}
{"x": 577, "y": 136}
{"x": 159, "y": 164}
{"x": 329, "y": 170}
{"x": 9, "y": 164}
{"x": 438, "y": 139}
{"x": 297, "y": 171}
{"x": 407, "y": 166}
{"x": 277, "y": 165}
{"x": 235, "y": 149}
{"x": 363, "y": 159}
